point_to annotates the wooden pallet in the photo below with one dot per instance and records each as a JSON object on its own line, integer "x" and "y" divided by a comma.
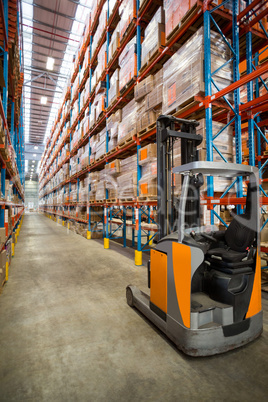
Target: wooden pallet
{"x": 112, "y": 151}
{"x": 125, "y": 142}
{"x": 151, "y": 60}
{"x": 112, "y": 200}
{"x": 147, "y": 198}
{"x": 127, "y": 86}
{"x": 127, "y": 199}
{"x": 129, "y": 28}
{"x": 147, "y": 129}
{"x": 111, "y": 105}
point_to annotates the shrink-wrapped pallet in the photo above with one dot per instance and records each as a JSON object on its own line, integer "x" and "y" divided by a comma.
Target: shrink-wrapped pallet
{"x": 127, "y": 179}
{"x": 113, "y": 92}
{"x": 148, "y": 160}
{"x": 127, "y": 11}
{"x": 114, "y": 43}
{"x": 175, "y": 11}
{"x": 101, "y": 186}
{"x": 101, "y": 144}
{"x": 154, "y": 36}
{"x": 127, "y": 128}
{"x": 128, "y": 64}
{"x": 183, "y": 73}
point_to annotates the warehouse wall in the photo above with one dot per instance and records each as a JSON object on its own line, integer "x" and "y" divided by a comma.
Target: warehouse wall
{"x": 31, "y": 193}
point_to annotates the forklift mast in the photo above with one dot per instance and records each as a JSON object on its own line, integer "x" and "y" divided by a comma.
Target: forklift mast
{"x": 166, "y": 135}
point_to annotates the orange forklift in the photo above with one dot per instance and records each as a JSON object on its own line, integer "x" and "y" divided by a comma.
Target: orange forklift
{"x": 205, "y": 286}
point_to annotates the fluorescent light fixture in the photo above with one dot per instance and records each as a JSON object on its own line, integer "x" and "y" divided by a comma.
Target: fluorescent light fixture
{"x": 50, "y": 63}
{"x": 34, "y": 154}
{"x": 43, "y": 100}
{"x": 35, "y": 147}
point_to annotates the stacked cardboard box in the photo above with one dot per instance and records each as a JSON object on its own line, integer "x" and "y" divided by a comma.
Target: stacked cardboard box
{"x": 114, "y": 43}
{"x": 175, "y": 10}
{"x": 128, "y": 64}
{"x": 127, "y": 128}
{"x": 101, "y": 186}
{"x": 148, "y": 182}
{"x": 127, "y": 12}
{"x": 154, "y": 36}
{"x": 183, "y": 73}
{"x": 148, "y": 95}
{"x": 113, "y": 122}
{"x": 113, "y": 169}
{"x": 127, "y": 179}
{"x": 114, "y": 87}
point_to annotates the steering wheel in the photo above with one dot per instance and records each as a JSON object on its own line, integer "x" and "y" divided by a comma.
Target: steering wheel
{"x": 208, "y": 237}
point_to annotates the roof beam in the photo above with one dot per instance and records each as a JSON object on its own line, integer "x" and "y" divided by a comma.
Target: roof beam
{"x": 46, "y": 38}
{"x": 49, "y": 10}
{"x": 41, "y": 70}
{"x": 41, "y": 54}
{"x": 51, "y": 26}
{"x": 42, "y": 88}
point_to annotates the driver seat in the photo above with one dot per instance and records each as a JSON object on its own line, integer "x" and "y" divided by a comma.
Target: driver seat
{"x": 237, "y": 250}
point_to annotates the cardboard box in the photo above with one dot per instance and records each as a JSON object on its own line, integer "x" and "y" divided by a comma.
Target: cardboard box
{"x": 147, "y": 153}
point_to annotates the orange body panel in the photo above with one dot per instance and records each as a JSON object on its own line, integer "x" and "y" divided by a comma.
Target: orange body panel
{"x": 182, "y": 276}
{"x": 158, "y": 294}
{"x": 255, "y": 301}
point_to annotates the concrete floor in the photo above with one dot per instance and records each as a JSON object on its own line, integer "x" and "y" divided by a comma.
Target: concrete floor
{"x": 67, "y": 334}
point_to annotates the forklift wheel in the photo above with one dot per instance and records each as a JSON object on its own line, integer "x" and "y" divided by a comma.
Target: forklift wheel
{"x": 129, "y": 296}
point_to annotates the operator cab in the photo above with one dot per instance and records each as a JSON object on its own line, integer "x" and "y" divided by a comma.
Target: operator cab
{"x": 227, "y": 272}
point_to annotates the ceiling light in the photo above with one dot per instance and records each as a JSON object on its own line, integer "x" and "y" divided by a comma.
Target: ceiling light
{"x": 34, "y": 154}
{"x": 43, "y": 100}
{"x": 50, "y": 63}
{"x": 35, "y": 147}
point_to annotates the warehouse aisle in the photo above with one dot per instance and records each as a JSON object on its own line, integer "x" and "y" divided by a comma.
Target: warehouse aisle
{"x": 67, "y": 334}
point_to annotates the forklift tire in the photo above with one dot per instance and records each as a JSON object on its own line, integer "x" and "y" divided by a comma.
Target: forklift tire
{"x": 129, "y": 296}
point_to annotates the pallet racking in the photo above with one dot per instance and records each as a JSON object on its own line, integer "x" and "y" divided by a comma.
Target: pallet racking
{"x": 239, "y": 26}
{"x": 11, "y": 129}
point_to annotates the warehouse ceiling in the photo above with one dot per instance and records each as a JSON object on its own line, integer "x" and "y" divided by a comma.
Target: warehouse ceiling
{"x": 51, "y": 31}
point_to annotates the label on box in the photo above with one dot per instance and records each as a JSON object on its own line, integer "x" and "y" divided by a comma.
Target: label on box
{"x": 144, "y": 188}
{"x": 143, "y": 154}
{"x": 172, "y": 94}
{"x": 154, "y": 168}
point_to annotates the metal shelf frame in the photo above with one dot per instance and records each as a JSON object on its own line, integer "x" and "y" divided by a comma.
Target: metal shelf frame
{"x": 237, "y": 112}
{"x": 13, "y": 132}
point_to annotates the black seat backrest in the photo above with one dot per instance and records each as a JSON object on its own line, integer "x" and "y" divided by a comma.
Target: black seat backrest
{"x": 240, "y": 235}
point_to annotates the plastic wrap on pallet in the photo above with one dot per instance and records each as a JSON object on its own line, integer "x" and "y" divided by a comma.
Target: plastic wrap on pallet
{"x": 128, "y": 63}
{"x": 127, "y": 128}
{"x": 147, "y": 159}
{"x": 175, "y": 10}
{"x": 154, "y": 36}
{"x": 143, "y": 87}
{"x": 114, "y": 43}
{"x": 183, "y": 73}
{"x": 114, "y": 87}
{"x": 101, "y": 186}
{"x": 127, "y": 179}
{"x": 127, "y": 11}
{"x": 102, "y": 58}
{"x": 101, "y": 144}
{"x": 99, "y": 105}
{"x": 154, "y": 99}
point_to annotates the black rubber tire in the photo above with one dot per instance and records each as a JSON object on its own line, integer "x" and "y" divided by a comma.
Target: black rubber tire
{"x": 129, "y": 296}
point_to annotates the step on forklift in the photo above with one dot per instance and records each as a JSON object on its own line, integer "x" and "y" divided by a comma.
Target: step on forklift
{"x": 205, "y": 283}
